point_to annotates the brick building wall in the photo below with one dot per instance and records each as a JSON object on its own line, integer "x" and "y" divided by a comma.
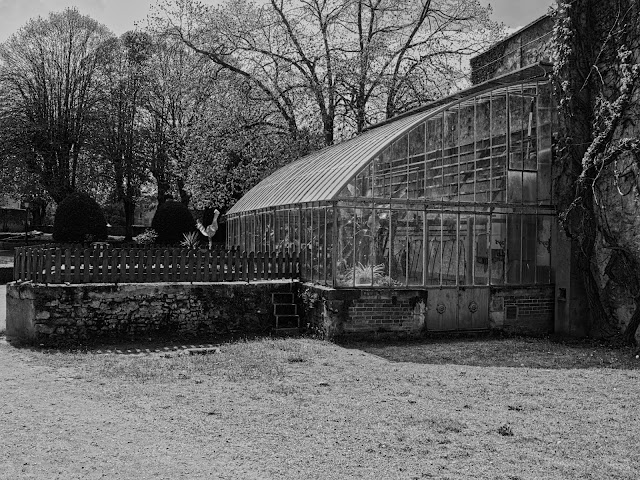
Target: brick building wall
{"x": 373, "y": 312}
{"x": 523, "y": 310}
{"x": 529, "y": 45}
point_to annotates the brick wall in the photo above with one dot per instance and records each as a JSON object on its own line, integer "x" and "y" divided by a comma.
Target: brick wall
{"x": 404, "y": 312}
{"x": 528, "y": 46}
{"x": 386, "y": 311}
{"x": 367, "y": 312}
{"x": 523, "y": 310}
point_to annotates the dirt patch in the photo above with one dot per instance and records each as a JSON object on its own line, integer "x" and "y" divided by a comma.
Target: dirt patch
{"x": 303, "y": 408}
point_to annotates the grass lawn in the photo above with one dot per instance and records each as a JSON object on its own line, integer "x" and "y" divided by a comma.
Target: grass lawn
{"x": 301, "y": 408}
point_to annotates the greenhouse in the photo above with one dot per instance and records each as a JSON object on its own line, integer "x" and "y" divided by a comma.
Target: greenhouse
{"x": 454, "y": 198}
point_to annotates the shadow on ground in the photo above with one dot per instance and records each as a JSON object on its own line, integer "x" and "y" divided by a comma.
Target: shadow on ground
{"x": 489, "y": 350}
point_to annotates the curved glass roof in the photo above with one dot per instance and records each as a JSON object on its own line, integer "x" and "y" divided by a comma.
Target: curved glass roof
{"x": 321, "y": 175}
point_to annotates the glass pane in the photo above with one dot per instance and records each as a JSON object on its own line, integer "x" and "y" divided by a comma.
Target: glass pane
{"x": 450, "y": 157}
{"x": 498, "y": 147}
{"x": 416, "y": 177}
{"x": 363, "y": 271}
{"x": 380, "y": 244}
{"x": 283, "y": 233}
{"x": 531, "y": 129}
{"x": 465, "y": 249}
{"x": 467, "y": 152}
{"x": 250, "y": 233}
{"x": 398, "y": 270}
{"x": 306, "y": 257}
{"x": 271, "y": 231}
{"x": 515, "y": 186}
{"x": 498, "y": 248}
{"x": 399, "y": 169}
{"x": 417, "y": 140}
{"x": 516, "y": 125}
{"x": 349, "y": 189}
{"x": 363, "y": 183}
{"x": 529, "y": 180}
{"x": 328, "y": 239}
{"x": 433, "y": 166}
{"x": 514, "y": 246}
{"x": 382, "y": 180}
{"x": 318, "y": 245}
{"x": 434, "y": 248}
{"x": 529, "y": 242}
{"x": 449, "y": 265}
{"x": 483, "y": 149}
{"x": 415, "y": 247}
{"x": 345, "y": 248}
{"x": 290, "y": 230}
{"x": 543, "y": 250}
{"x": 481, "y": 250}
{"x": 544, "y": 143}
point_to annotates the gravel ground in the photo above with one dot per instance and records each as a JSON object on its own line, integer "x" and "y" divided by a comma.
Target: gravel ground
{"x": 296, "y": 409}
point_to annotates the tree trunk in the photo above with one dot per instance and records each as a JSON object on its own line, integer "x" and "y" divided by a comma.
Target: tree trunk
{"x": 39, "y": 211}
{"x": 629, "y": 334}
{"x": 129, "y": 211}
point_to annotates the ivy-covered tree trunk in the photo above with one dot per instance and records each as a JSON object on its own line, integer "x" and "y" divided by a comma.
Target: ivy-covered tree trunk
{"x": 596, "y": 80}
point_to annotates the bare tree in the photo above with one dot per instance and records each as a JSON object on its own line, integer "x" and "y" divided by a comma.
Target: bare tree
{"x": 119, "y": 139}
{"x": 404, "y": 53}
{"x": 47, "y": 75}
{"x": 180, "y": 86}
{"x": 329, "y": 59}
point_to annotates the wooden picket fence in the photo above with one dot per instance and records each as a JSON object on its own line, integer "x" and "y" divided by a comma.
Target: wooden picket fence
{"x": 105, "y": 264}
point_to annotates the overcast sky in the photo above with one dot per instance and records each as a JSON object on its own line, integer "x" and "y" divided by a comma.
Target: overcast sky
{"x": 121, "y": 15}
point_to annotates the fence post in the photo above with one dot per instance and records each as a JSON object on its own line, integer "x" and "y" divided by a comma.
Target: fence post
{"x": 250, "y": 267}
{"x": 229, "y": 270}
{"x": 17, "y": 258}
{"x": 244, "y": 273}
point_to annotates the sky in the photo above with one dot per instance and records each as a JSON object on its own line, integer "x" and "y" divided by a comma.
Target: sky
{"x": 121, "y": 15}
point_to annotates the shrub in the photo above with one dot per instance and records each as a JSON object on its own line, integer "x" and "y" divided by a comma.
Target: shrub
{"x": 171, "y": 221}
{"x": 79, "y": 218}
{"x": 148, "y": 237}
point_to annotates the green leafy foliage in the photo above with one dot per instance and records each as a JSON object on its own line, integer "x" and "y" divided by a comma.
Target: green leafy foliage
{"x": 171, "y": 221}
{"x": 79, "y": 218}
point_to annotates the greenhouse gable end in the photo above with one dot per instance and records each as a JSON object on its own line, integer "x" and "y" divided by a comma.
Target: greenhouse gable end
{"x": 439, "y": 220}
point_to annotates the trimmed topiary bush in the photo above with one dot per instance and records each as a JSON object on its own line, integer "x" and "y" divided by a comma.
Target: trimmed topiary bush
{"x": 79, "y": 218}
{"x": 171, "y": 221}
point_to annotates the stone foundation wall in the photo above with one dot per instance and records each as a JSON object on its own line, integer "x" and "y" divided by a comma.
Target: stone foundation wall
{"x": 75, "y": 313}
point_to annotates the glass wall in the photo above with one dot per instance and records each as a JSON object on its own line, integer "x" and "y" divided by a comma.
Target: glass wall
{"x": 462, "y": 198}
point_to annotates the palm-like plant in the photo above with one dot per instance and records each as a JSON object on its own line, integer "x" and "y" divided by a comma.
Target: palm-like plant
{"x": 190, "y": 241}
{"x": 365, "y": 274}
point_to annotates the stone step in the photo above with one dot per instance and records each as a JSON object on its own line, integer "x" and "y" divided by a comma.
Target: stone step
{"x": 287, "y": 297}
{"x": 287, "y": 321}
{"x": 286, "y": 332}
{"x": 280, "y": 309}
